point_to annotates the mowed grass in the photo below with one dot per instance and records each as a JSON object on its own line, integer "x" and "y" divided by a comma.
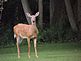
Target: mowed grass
{"x": 46, "y": 52}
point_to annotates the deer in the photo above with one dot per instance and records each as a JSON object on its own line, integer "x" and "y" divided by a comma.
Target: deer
{"x": 28, "y": 31}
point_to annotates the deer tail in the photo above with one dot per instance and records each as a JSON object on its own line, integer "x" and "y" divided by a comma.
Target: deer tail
{"x": 19, "y": 39}
{"x": 14, "y": 35}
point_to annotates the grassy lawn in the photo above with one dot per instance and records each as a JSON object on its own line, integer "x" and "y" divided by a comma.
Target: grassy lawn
{"x": 46, "y": 52}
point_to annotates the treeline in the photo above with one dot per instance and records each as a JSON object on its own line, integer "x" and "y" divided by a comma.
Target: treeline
{"x": 59, "y": 20}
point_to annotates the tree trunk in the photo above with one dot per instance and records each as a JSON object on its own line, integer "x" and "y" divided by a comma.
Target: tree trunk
{"x": 41, "y": 14}
{"x": 51, "y": 12}
{"x": 79, "y": 14}
{"x": 26, "y": 9}
{"x": 70, "y": 15}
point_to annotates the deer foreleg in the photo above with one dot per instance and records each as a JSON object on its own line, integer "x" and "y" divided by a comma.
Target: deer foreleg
{"x": 35, "y": 43}
{"x": 28, "y": 39}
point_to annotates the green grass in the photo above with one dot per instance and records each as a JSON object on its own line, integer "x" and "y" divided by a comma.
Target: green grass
{"x": 46, "y": 52}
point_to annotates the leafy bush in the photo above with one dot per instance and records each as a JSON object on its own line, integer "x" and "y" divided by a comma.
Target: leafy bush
{"x": 6, "y": 39}
{"x": 52, "y": 34}
{"x": 56, "y": 35}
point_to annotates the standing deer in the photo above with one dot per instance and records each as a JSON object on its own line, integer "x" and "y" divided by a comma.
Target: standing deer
{"x": 22, "y": 31}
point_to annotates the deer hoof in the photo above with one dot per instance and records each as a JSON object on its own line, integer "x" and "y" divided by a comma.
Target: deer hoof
{"x": 29, "y": 57}
{"x": 36, "y": 56}
{"x": 18, "y": 56}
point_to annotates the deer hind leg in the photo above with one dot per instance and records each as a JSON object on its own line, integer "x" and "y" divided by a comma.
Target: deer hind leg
{"x": 35, "y": 43}
{"x": 28, "y": 39}
{"x": 18, "y": 48}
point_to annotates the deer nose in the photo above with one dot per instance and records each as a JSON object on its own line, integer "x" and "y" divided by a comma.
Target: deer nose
{"x": 33, "y": 21}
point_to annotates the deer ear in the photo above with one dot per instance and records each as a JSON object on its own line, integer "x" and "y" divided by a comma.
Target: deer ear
{"x": 28, "y": 14}
{"x": 36, "y": 14}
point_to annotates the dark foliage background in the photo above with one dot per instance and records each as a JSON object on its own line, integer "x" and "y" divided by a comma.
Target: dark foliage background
{"x": 59, "y": 32}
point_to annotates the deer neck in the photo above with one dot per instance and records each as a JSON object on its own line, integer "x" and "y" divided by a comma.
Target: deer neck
{"x": 34, "y": 25}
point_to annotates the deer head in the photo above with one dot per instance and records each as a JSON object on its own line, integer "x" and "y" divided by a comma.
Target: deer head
{"x": 33, "y": 18}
